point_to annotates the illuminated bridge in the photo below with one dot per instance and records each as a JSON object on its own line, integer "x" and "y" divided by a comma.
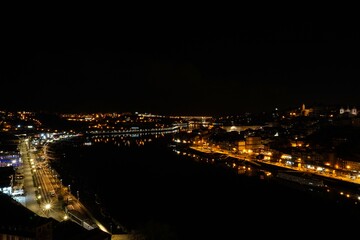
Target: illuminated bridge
{"x": 136, "y": 130}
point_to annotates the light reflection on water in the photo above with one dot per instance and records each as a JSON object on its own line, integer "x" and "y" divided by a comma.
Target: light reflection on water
{"x": 136, "y": 177}
{"x": 106, "y": 165}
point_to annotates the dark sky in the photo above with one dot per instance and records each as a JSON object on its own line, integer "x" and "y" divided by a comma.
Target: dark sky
{"x": 212, "y": 68}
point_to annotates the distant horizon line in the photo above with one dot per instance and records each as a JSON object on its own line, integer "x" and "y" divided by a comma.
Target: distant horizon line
{"x": 181, "y": 114}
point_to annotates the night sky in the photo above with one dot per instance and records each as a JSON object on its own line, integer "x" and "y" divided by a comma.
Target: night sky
{"x": 160, "y": 67}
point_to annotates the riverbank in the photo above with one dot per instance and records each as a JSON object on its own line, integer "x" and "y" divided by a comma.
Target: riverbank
{"x": 152, "y": 190}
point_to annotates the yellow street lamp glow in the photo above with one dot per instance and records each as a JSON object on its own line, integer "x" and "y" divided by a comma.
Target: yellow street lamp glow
{"x": 47, "y": 206}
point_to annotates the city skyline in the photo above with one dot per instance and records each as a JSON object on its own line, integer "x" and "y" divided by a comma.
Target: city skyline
{"x": 181, "y": 69}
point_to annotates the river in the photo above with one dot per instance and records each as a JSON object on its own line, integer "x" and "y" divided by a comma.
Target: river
{"x": 138, "y": 183}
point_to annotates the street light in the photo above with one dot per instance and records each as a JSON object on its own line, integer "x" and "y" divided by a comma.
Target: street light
{"x": 47, "y": 206}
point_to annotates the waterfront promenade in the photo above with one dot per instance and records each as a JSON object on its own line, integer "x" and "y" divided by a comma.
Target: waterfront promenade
{"x": 251, "y": 158}
{"x": 46, "y": 196}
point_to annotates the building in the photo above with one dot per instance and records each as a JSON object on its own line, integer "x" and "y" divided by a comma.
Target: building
{"x": 348, "y": 112}
{"x": 9, "y": 153}
{"x": 18, "y": 222}
{"x": 7, "y": 175}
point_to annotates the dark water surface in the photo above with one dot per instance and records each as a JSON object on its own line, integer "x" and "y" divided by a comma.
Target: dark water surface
{"x": 142, "y": 184}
